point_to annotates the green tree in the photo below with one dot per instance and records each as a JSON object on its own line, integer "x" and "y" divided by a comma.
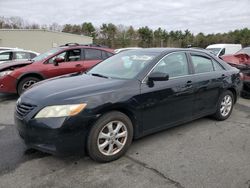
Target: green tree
{"x": 108, "y": 32}
{"x": 88, "y": 29}
{"x": 145, "y": 36}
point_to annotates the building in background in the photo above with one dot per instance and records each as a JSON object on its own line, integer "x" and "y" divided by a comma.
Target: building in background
{"x": 39, "y": 40}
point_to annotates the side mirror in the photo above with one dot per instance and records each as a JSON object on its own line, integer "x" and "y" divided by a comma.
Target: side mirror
{"x": 58, "y": 60}
{"x": 158, "y": 76}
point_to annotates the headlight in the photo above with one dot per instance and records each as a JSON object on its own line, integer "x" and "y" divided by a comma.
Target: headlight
{"x": 4, "y": 73}
{"x": 61, "y": 110}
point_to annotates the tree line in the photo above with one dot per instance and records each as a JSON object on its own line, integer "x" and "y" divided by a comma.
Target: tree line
{"x": 119, "y": 36}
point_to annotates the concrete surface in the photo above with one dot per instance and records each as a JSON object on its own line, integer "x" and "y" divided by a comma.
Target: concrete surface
{"x": 203, "y": 153}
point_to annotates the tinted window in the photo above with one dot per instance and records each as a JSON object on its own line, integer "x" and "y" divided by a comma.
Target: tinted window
{"x": 202, "y": 64}
{"x": 174, "y": 65}
{"x": 5, "y": 56}
{"x": 92, "y": 54}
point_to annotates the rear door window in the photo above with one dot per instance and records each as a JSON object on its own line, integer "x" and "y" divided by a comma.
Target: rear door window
{"x": 22, "y": 55}
{"x": 202, "y": 64}
{"x": 93, "y": 54}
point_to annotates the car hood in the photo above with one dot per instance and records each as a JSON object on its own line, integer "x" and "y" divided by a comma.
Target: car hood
{"x": 71, "y": 88}
{"x": 13, "y": 64}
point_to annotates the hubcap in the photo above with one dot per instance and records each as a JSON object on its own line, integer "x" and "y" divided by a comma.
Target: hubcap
{"x": 27, "y": 84}
{"x": 112, "y": 138}
{"x": 226, "y": 105}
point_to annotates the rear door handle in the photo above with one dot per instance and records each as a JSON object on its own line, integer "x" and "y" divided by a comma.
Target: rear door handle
{"x": 78, "y": 65}
{"x": 189, "y": 83}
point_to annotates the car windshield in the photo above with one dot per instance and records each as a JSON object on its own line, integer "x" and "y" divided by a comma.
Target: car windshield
{"x": 214, "y": 50}
{"x": 46, "y": 54}
{"x": 244, "y": 50}
{"x": 125, "y": 65}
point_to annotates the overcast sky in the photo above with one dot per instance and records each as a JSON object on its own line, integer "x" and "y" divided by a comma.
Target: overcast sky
{"x": 208, "y": 16}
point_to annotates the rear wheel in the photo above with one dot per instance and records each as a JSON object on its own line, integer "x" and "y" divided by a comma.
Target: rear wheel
{"x": 110, "y": 137}
{"x": 225, "y": 106}
{"x": 25, "y": 83}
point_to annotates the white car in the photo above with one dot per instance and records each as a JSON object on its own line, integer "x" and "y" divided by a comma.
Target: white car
{"x": 224, "y": 49}
{"x": 16, "y": 54}
{"x": 6, "y": 48}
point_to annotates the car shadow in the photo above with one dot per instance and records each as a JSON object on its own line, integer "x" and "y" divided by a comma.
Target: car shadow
{"x": 8, "y": 97}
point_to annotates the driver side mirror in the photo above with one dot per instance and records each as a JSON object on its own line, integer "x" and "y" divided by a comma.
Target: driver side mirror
{"x": 58, "y": 60}
{"x": 157, "y": 76}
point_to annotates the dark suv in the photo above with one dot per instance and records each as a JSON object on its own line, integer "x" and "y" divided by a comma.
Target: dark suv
{"x": 18, "y": 76}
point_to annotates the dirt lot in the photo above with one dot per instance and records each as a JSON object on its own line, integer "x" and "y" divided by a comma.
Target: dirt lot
{"x": 203, "y": 153}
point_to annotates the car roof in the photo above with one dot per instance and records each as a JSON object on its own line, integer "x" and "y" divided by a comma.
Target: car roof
{"x": 91, "y": 46}
{"x": 222, "y": 45}
{"x": 166, "y": 50}
{"x": 18, "y": 50}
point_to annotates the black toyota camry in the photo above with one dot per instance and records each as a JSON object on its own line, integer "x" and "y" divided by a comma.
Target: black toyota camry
{"x": 127, "y": 96}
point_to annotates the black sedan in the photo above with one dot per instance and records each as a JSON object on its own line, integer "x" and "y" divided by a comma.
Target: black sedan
{"x": 127, "y": 96}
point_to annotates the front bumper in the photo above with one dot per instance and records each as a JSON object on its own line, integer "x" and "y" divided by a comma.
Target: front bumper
{"x": 58, "y": 136}
{"x": 8, "y": 84}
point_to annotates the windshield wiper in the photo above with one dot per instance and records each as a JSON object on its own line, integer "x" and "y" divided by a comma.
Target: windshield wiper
{"x": 99, "y": 75}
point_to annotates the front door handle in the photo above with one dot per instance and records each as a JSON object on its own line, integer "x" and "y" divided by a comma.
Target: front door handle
{"x": 223, "y": 76}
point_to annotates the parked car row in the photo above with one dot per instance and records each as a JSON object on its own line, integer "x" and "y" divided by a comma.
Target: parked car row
{"x": 125, "y": 97}
{"x": 18, "y": 76}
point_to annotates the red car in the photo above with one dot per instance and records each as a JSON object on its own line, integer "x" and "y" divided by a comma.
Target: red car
{"x": 241, "y": 60}
{"x": 16, "y": 77}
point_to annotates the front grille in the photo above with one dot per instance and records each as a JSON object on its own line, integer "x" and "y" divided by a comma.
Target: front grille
{"x": 22, "y": 109}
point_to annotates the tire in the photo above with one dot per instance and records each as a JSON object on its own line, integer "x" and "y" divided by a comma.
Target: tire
{"x": 226, "y": 100}
{"x": 28, "y": 81}
{"x": 104, "y": 132}
{"x": 245, "y": 93}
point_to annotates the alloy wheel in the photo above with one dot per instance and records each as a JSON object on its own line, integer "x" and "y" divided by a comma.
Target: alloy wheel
{"x": 112, "y": 138}
{"x": 27, "y": 84}
{"x": 226, "y": 105}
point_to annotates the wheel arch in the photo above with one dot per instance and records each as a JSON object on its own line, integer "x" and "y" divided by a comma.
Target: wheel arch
{"x": 128, "y": 112}
{"x": 30, "y": 74}
{"x": 233, "y": 90}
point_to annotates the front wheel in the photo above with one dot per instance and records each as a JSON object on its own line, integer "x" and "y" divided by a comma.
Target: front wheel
{"x": 225, "y": 106}
{"x": 110, "y": 137}
{"x": 25, "y": 83}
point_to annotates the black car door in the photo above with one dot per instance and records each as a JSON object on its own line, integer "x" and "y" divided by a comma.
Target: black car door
{"x": 207, "y": 83}
{"x": 166, "y": 103}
